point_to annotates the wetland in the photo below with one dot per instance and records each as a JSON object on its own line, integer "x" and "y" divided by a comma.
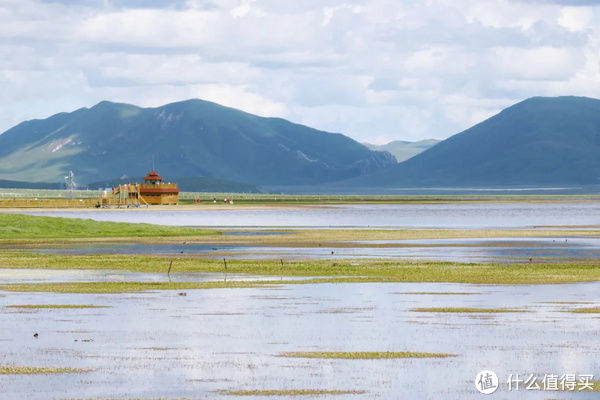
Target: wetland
{"x": 352, "y": 301}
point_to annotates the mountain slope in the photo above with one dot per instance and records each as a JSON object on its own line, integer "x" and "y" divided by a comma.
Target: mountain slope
{"x": 4, "y": 184}
{"x": 187, "y": 139}
{"x": 539, "y": 141}
{"x": 403, "y": 150}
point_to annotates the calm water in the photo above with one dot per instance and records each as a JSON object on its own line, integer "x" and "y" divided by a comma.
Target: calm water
{"x": 50, "y": 276}
{"x": 493, "y": 215}
{"x": 159, "y": 344}
{"x": 502, "y": 250}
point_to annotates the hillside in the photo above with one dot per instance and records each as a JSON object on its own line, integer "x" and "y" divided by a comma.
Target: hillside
{"x": 192, "y": 138}
{"x": 30, "y": 185}
{"x": 539, "y": 141}
{"x": 403, "y": 150}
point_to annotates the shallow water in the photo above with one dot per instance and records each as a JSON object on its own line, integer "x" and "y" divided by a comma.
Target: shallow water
{"x": 501, "y": 250}
{"x": 51, "y": 275}
{"x": 469, "y": 216}
{"x": 159, "y": 344}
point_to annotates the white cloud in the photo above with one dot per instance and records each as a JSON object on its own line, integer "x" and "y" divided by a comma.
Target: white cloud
{"x": 372, "y": 69}
{"x": 539, "y": 63}
{"x": 575, "y": 18}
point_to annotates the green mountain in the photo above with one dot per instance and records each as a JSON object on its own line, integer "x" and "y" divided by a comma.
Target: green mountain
{"x": 29, "y": 185}
{"x": 540, "y": 141}
{"x": 192, "y": 138}
{"x": 404, "y": 150}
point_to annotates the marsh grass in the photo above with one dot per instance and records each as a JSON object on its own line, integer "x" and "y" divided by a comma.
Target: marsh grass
{"x": 290, "y": 392}
{"x": 124, "y": 287}
{"x": 594, "y": 384}
{"x": 22, "y": 370}
{"x": 52, "y": 306}
{"x": 589, "y": 310}
{"x": 375, "y": 270}
{"x": 467, "y": 310}
{"x": 17, "y": 226}
{"x": 363, "y": 355}
{"x": 35, "y": 230}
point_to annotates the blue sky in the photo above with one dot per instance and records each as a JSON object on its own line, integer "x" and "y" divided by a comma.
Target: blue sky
{"x": 376, "y": 70}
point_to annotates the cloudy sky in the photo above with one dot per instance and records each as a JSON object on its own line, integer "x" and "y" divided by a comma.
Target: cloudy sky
{"x": 376, "y": 70}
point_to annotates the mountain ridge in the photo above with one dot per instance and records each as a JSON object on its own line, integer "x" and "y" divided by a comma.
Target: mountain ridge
{"x": 540, "y": 140}
{"x": 190, "y": 138}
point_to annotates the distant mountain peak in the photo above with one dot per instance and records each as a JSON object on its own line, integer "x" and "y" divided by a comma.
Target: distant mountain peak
{"x": 402, "y": 149}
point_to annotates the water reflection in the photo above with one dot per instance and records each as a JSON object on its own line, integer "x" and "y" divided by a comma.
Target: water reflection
{"x": 501, "y": 250}
{"x": 229, "y": 339}
{"x": 478, "y": 215}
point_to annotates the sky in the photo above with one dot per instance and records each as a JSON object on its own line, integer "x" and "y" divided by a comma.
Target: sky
{"x": 375, "y": 70}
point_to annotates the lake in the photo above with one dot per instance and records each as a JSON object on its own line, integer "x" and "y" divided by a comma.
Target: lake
{"x": 160, "y": 344}
{"x": 452, "y": 216}
{"x": 488, "y": 250}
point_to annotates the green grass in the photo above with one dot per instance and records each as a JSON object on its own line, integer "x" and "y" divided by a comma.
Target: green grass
{"x": 589, "y": 310}
{"x": 466, "y": 310}
{"x": 52, "y": 306}
{"x": 21, "y": 370}
{"x": 335, "y": 271}
{"x": 123, "y": 287}
{"x": 290, "y": 392}
{"x": 363, "y": 355}
{"x": 17, "y": 226}
{"x": 595, "y": 385}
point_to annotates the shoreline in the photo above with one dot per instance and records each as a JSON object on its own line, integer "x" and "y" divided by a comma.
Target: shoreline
{"x": 183, "y": 207}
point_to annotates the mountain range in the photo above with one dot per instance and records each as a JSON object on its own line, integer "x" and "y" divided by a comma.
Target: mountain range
{"x": 191, "y": 138}
{"x": 539, "y": 141}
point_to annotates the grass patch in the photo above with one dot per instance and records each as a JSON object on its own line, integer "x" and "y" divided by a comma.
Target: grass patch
{"x": 376, "y": 270}
{"x": 323, "y": 271}
{"x": 595, "y": 385}
{"x": 42, "y": 306}
{"x": 589, "y": 310}
{"x": 20, "y": 370}
{"x": 124, "y": 287}
{"x": 18, "y": 226}
{"x": 290, "y": 392}
{"x": 466, "y": 310}
{"x": 363, "y": 355}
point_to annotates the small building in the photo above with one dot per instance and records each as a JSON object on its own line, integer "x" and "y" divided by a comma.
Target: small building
{"x": 155, "y": 191}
